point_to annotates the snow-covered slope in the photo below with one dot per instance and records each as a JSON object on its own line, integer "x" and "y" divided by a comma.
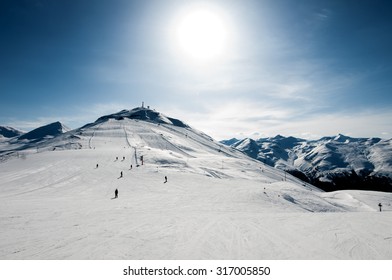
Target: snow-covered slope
{"x": 339, "y": 162}
{"x": 56, "y": 201}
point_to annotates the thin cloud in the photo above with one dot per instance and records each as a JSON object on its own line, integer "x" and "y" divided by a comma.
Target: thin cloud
{"x": 243, "y": 119}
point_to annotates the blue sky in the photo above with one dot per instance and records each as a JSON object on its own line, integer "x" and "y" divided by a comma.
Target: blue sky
{"x": 303, "y": 68}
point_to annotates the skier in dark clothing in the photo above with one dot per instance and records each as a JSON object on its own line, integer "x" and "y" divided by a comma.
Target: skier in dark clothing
{"x": 165, "y": 179}
{"x": 380, "y": 205}
{"x": 116, "y": 193}
{"x": 97, "y": 165}
{"x": 121, "y": 174}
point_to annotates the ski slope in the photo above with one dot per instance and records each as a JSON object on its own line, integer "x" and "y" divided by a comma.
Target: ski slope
{"x": 217, "y": 204}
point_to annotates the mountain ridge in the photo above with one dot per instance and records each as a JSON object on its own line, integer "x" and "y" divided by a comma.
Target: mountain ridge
{"x": 49, "y": 130}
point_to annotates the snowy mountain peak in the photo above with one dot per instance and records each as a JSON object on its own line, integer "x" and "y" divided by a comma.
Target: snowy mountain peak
{"x": 230, "y": 141}
{"x": 343, "y": 139}
{"x": 278, "y": 137}
{"x": 245, "y": 142}
{"x": 45, "y": 131}
{"x": 249, "y": 146}
{"x": 285, "y": 142}
{"x": 143, "y": 114}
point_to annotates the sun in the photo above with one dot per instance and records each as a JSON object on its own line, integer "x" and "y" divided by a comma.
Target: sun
{"x": 201, "y": 35}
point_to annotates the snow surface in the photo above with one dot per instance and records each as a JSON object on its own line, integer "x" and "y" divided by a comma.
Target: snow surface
{"x": 217, "y": 204}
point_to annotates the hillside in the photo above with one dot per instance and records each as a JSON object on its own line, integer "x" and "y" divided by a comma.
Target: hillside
{"x": 57, "y": 201}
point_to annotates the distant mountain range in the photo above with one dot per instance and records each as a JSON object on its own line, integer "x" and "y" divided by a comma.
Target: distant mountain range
{"x": 330, "y": 163}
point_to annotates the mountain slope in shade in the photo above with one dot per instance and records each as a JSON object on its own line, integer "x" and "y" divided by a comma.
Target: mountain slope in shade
{"x": 9, "y": 132}
{"x": 230, "y": 141}
{"x": 45, "y": 131}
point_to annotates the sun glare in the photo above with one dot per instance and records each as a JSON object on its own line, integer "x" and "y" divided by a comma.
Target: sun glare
{"x": 201, "y": 35}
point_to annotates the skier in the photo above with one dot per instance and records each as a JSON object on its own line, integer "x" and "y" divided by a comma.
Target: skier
{"x": 116, "y": 158}
{"x": 380, "y": 205}
{"x": 97, "y": 165}
{"x": 121, "y": 174}
{"x": 123, "y": 158}
{"x": 165, "y": 180}
{"x": 116, "y": 193}
{"x": 131, "y": 167}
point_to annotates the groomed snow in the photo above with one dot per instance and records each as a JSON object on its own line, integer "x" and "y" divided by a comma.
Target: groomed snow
{"x": 217, "y": 203}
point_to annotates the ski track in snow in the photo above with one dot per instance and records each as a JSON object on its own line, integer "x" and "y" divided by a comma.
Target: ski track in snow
{"x": 217, "y": 203}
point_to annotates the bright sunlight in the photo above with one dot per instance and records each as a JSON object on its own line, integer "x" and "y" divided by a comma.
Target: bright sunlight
{"x": 201, "y": 35}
